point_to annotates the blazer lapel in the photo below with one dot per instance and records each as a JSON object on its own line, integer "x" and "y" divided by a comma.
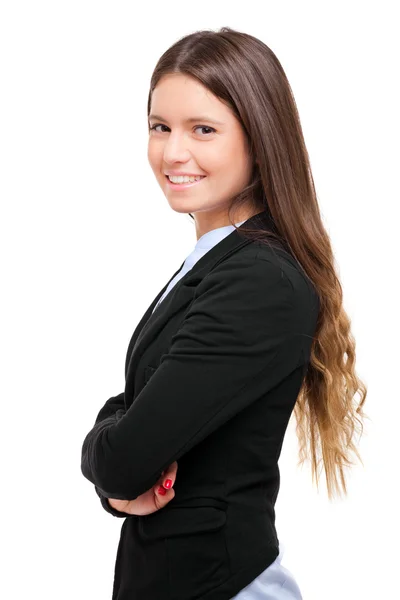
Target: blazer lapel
{"x": 144, "y": 320}
{"x": 181, "y": 295}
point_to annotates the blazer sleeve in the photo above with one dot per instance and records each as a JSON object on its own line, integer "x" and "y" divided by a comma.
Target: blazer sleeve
{"x": 241, "y": 336}
{"x": 109, "y": 412}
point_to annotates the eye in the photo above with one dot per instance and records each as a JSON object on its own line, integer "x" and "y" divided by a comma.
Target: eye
{"x": 211, "y": 129}
{"x": 205, "y": 127}
{"x": 157, "y": 125}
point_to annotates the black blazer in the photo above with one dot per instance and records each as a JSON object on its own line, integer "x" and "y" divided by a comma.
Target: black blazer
{"x": 211, "y": 379}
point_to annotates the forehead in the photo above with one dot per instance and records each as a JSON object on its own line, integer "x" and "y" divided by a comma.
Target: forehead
{"x": 181, "y": 97}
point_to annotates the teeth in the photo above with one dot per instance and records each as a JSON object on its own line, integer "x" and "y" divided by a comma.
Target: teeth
{"x": 183, "y": 178}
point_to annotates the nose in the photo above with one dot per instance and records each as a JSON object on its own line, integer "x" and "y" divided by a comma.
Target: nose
{"x": 176, "y": 149}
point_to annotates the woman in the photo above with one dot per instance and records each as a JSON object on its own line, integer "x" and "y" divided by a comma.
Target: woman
{"x": 250, "y": 328}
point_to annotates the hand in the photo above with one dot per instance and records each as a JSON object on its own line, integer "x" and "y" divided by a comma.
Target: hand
{"x": 150, "y": 501}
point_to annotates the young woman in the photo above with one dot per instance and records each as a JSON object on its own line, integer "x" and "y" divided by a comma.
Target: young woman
{"x": 249, "y": 329}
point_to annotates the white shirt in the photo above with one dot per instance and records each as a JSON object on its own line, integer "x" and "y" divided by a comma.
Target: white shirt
{"x": 203, "y": 245}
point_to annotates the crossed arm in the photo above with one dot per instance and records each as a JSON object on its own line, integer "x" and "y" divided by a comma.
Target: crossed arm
{"x": 242, "y": 336}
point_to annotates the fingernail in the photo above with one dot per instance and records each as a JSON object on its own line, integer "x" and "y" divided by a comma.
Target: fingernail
{"x": 168, "y": 483}
{"x": 161, "y": 491}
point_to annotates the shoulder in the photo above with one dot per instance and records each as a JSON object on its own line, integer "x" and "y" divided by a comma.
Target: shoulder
{"x": 304, "y": 293}
{"x": 267, "y": 269}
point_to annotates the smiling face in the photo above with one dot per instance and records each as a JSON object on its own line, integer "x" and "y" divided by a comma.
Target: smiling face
{"x": 191, "y": 131}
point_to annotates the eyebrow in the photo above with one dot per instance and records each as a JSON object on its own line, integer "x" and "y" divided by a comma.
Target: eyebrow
{"x": 190, "y": 120}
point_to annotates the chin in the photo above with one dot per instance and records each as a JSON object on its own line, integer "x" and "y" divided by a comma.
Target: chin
{"x": 181, "y": 208}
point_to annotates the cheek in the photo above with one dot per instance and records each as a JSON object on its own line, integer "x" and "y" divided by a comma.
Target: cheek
{"x": 238, "y": 162}
{"x": 214, "y": 163}
{"x": 227, "y": 158}
{"x": 154, "y": 155}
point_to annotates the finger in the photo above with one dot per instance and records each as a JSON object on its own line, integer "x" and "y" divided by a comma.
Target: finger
{"x": 170, "y": 474}
{"x": 172, "y": 469}
{"x": 162, "y": 477}
{"x": 162, "y": 500}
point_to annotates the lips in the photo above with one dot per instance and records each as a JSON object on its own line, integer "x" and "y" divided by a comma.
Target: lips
{"x": 184, "y": 185}
{"x": 201, "y": 176}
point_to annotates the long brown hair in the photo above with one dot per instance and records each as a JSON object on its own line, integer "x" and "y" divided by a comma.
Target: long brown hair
{"x": 245, "y": 74}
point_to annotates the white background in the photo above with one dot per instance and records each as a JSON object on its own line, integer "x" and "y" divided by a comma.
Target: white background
{"x": 88, "y": 240}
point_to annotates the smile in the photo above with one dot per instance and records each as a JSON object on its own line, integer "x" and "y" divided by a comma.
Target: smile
{"x": 183, "y": 186}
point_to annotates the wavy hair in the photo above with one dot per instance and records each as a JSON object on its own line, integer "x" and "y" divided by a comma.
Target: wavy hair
{"x": 245, "y": 74}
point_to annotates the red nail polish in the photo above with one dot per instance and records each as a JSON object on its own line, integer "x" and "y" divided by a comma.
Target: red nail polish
{"x": 168, "y": 483}
{"x": 161, "y": 491}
